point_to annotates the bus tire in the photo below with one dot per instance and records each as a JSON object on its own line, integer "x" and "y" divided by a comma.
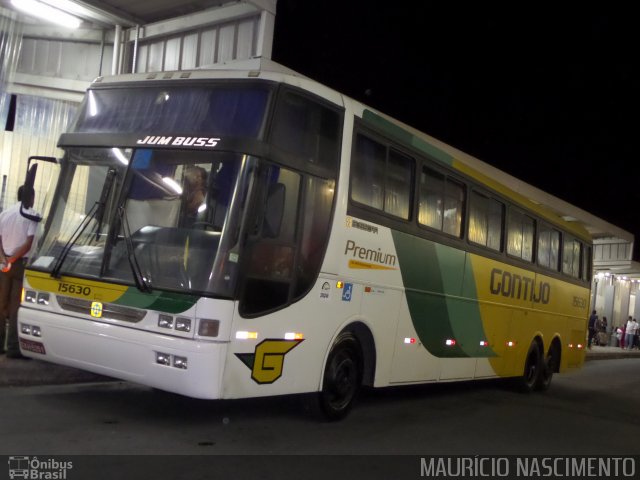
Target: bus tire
{"x": 342, "y": 377}
{"x": 532, "y": 369}
{"x": 549, "y": 365}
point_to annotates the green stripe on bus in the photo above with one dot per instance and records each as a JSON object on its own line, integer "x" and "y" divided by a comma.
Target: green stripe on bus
{"x": 160, "y": 301}
{"x": 433, "y": 276}
{"x": 404, "y": 137}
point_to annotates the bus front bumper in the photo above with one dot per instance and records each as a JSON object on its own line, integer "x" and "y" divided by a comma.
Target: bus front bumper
{"x": 184, "y": 366}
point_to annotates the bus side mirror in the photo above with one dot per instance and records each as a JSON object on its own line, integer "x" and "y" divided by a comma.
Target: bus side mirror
{"x": 274, "y": 211}
{"x": 30, "y": 180}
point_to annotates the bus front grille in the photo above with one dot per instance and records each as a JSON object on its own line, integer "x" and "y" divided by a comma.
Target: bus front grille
{"x": 110, "y": 311}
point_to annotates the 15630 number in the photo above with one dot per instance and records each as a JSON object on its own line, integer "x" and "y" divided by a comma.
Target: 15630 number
{"x": 73, "y": 288}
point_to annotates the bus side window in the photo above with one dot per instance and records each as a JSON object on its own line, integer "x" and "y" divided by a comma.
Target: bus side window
{"x": 485, "y": 221}
{"x": 571, "y": 256}
{"x": 382, "y": 177}
{"x": 548, "y": 247}
{"x": 269, "y": 272}
{"x": 307, "y": 129}
{"x": 367, "y": 176}
{"x": 315, "y": 226}
{"x": 520, "y": 235}
{"x": 441, "y": 202}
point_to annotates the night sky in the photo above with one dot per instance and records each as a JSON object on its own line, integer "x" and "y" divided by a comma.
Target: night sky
{"x": 550, "y": 97}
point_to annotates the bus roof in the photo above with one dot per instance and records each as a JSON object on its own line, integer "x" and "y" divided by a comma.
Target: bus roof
{"x": 559, "y": 212}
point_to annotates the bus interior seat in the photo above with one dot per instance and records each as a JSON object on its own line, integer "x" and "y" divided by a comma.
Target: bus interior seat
{"x": 154, "y": 212}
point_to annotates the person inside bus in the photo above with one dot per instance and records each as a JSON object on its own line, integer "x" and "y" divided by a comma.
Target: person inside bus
{"x": 195, "y": 192}
{"x": 16, "y": 239}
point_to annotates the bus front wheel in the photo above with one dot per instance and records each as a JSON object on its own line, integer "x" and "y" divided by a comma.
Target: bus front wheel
{"x": 342, "y": 377}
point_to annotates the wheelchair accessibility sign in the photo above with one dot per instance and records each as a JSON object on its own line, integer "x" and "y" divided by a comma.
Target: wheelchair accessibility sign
{"x": 347, "y": 290}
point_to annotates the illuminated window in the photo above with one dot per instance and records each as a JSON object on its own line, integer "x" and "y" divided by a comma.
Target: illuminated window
{"x": 381, "y": 177}
{"x": 441, "y": 202}
{"x": 485, "y": 221}
{"x": 548, "y": 247}
{"x": 571, "y": 256}
{"x": 520, "y": 235}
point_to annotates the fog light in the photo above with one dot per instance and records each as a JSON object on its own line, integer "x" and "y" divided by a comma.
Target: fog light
{"x": 165, "y": 321}
{"x": 35, "y": 331}
{"x": 26, "y": 329}
{"x": 30, "y": 296}
{"x": 208, "y": 328}
{"x": 183, "y": 324}
{"x": 163, "y": 358}
{"x": 180, "y": 362}
{"x": 43, "y": 299}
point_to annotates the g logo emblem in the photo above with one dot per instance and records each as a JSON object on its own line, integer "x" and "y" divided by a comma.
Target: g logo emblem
{"x": 267, "y": 361}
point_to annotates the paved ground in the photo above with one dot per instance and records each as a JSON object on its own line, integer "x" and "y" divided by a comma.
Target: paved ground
{"x": 17, "y": 372}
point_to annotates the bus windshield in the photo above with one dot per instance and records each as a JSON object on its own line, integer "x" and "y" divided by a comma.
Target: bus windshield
{"x": 160, "y": 219}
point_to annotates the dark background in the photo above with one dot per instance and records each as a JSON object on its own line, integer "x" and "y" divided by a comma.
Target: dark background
{"x": 549, "y": 96}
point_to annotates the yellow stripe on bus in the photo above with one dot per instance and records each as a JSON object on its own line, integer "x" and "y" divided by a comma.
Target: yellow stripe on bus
{"x": 368, "y": 266}
{"x": 75, "y": 287}
{"x": 518, "y": 304}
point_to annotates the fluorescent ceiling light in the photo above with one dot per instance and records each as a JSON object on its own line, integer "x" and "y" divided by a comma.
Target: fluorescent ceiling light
{"x": 46, "y": 12}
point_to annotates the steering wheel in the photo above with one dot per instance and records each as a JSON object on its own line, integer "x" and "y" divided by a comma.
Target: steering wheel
{"x": 206, "y": 225}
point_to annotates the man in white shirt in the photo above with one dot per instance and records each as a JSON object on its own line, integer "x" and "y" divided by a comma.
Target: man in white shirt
{"x": 16, "y": 239}
{"x": 632, "y": 328}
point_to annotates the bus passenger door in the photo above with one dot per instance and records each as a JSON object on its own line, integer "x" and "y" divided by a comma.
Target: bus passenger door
{"x": 380, "y": 308}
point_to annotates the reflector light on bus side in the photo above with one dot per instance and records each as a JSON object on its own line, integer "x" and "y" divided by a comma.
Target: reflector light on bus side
{"x": 293, "y": 336}
{"x": 246, "y": 335}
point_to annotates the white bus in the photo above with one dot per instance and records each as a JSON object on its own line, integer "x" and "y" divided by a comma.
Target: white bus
{"x": 243, "y": 233}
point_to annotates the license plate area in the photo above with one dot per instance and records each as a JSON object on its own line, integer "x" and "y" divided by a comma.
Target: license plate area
{"x": 31, "y": 346}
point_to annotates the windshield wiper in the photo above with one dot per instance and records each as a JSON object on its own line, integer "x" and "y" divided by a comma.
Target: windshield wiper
{"x": 96, "y": 212}
{"x": 73, "y": 239}
{"x": 142, "y": 283}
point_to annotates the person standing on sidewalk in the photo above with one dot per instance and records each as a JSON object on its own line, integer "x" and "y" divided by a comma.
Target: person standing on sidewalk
{"x": 16, "y": 238}
{"x": 620, "y": 331}
{"x": 632, "y": 328}
{"x": 593, "y": 327}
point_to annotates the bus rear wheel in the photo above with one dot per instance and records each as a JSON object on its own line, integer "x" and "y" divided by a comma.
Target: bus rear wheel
{"x": 342, "y": 377}
{"x": 549, "y": 365}
{"x": 532, "y": 370}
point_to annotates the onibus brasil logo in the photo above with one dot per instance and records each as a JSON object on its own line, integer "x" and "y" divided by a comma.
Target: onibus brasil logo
{"x": 37, "y": 469}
